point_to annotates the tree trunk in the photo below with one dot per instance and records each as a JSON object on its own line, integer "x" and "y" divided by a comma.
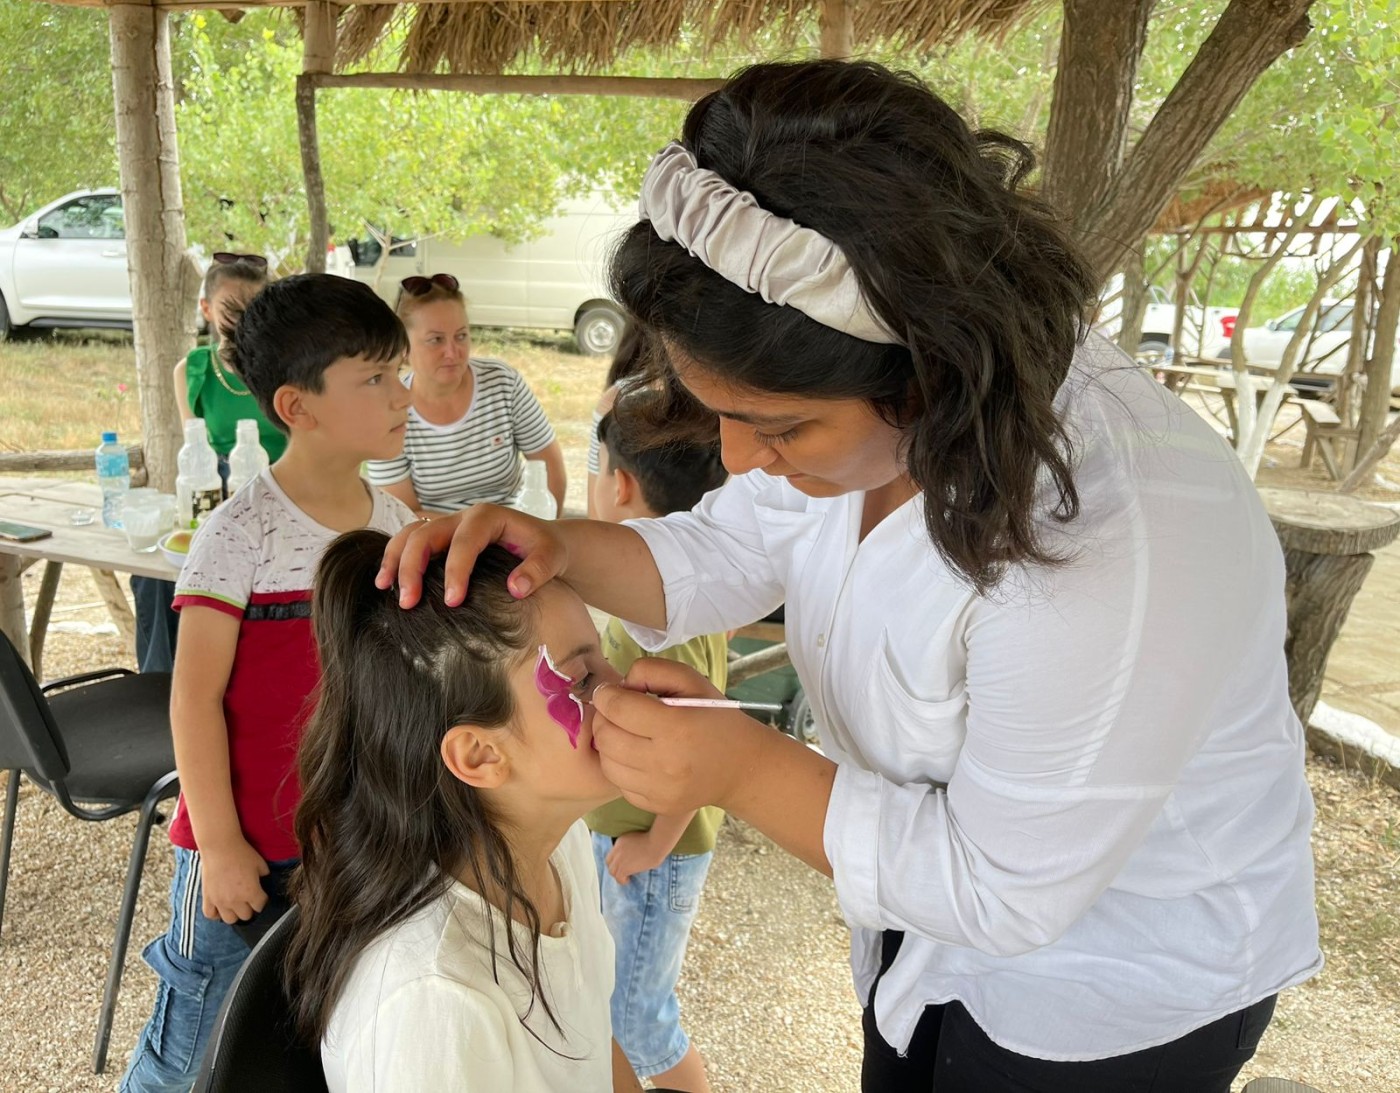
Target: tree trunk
{"x": 1135, "y": 296}
{"x": 1100, "y": 46}
{"x": 1327, "y": 542}
{"x": 164, "y": 279}
{"x": 1251, "y": 447}
{"x": 1353, "y": 376}
{"x": 1371, "y": 456}
{"x": 1249, "y": 36}
{"x": 1375, "y": 401}
{"x": 1245, "y": 405}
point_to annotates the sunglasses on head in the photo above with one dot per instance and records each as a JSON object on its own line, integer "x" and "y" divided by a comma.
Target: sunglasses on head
{"x": 228, "y": 258}
{"x": 421, "y": 286}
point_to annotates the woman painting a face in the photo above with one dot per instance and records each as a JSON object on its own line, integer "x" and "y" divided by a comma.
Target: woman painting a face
{"x": 1061, "y": 793}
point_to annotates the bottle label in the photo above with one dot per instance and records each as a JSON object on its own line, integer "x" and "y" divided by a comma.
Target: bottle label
{"x": 205, "y": 502}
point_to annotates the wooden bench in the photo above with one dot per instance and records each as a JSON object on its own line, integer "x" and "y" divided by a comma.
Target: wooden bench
{"x": 1324, "y": 429}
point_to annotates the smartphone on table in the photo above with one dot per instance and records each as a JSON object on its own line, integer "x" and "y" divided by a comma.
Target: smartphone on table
{"x": 22, "y": 533}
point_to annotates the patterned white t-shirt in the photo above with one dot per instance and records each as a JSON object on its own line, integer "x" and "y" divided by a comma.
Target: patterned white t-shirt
{"x": 255, "y": 559}
{"x": 476, "y": 458}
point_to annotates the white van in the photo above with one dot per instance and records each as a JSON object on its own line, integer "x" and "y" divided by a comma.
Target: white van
{"x": 557, "y": 281}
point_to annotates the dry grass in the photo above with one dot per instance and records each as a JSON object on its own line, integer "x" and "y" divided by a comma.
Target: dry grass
{"x": 62, "y": 391}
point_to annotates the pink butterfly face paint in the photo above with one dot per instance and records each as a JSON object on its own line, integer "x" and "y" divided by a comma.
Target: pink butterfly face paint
{"x": 559, "y": 699}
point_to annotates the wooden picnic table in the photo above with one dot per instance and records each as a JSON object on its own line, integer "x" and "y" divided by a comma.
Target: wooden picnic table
{"x": 50, "y": 503}
{"x": 1209, "y": 376}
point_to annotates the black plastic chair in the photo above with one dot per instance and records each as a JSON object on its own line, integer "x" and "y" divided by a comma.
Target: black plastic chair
{"x": 102, "y": 738}
{"x": 255, "y": 1045}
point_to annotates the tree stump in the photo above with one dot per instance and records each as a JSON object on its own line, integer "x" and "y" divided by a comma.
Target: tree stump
{"x": 1327, "y": 542}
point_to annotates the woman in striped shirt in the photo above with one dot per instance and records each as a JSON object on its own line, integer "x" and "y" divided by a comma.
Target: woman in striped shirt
{"x": 472, "y": 417}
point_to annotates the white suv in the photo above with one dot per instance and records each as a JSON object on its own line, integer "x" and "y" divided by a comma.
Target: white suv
{"x": 66, "y": 265}
{"x": 1325, "y": 352}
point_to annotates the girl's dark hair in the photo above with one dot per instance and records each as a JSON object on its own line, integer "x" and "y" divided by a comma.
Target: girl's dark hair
{"x": 977, "y": 279}
{"x": 220, "y": 273}
{"x": 296, "y": 328}
{"x": 384, "y": 826}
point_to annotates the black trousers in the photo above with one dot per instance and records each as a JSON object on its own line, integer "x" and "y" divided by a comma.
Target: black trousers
{"x": 950, "y": 1053}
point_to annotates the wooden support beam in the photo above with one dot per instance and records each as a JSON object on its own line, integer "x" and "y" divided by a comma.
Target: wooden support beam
{"x": 838, "y": 36}
{"x": 318, "y": 36}
{"x": 43, "y": 611}
{"x": 80, "y": 460}
{"x": 318, "y": 59}
{"x": 661, "y": 88}
{"x": 164, "y": 278}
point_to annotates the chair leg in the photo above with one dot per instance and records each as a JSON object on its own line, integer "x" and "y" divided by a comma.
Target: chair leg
{"x": 124, "y": 919}
{"x": 7, "y": 837}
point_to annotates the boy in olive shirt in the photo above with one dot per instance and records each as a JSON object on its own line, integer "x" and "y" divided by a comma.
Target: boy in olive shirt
{"x": 651, "y": 868}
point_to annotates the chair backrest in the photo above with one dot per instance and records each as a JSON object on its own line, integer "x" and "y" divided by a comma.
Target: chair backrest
{"x": 29, "y": 738}
{"x": 254, "y": 1045}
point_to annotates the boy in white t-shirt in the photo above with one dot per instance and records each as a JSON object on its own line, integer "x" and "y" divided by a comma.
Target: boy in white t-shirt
{"x": 321, "y": 356}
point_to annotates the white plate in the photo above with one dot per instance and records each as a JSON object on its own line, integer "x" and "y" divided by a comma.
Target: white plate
{"x": 174, "y": 557}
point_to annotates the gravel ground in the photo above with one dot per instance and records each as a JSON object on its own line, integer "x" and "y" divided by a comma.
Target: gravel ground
{"x": 767, "y": 993}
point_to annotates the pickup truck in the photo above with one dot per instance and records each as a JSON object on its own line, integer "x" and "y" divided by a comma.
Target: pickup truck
{"x": 1204, "y": 327}
{"x": 65, "y": 265}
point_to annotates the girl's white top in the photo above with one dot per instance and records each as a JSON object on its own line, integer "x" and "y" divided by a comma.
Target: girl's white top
{"x": 422, "y": 1009}
{"x": 1082, "y": 796}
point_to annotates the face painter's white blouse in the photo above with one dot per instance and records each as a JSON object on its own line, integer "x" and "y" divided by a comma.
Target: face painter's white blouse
{"x": 1081, "y": 796}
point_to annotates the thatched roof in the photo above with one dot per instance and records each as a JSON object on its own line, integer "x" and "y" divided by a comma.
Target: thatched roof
{"x": 585, "y": 36}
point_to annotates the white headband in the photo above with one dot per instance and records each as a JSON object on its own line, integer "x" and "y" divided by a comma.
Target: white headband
{"x": 748, "y": 246}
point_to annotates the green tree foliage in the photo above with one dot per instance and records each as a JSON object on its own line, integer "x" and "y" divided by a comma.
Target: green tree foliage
{"x": 56, "y": 104}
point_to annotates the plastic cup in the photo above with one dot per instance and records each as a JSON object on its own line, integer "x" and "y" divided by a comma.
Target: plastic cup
{"x": 145, "y": 518}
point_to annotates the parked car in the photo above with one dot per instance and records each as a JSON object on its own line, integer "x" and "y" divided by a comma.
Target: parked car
{"x": 66, "y": 265}
{"x": 557, "y": 281}
{"x": 1203, "y": 326}
{"x": 1324, "y": 352}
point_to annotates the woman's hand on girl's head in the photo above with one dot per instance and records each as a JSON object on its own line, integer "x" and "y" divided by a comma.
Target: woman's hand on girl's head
{"x": 669, "y": 759}
{"x": 463, "y": 536}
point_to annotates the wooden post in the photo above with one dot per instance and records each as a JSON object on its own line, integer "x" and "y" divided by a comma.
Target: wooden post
{"x": 163, "y": 278}
{"x": 1327, "y": 542}
{"x": 318, "y": 59}
{"x": 837, "y": 29}
{"x": 43, "y": 611}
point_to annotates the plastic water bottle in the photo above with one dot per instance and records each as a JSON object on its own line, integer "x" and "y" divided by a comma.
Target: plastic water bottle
{"x": 113, "y": 478}
{"x": 535, "y": 498}
{"x": 198, "y": 487}
{"x": 247, "y": 460}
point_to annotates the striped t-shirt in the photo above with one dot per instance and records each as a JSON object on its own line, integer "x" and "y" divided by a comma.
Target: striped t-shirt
{"x": 476, "y": 458}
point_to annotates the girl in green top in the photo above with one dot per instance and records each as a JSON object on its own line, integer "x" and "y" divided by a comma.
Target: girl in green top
{"x": 207, "y": 387}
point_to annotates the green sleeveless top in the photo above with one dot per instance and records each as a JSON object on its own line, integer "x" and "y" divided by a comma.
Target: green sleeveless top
{"x": 220, "y": 398}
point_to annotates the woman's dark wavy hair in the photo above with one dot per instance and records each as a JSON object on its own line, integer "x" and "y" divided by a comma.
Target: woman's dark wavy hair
{"x": 977, "y": 279}
{"x": 384, "y": 826}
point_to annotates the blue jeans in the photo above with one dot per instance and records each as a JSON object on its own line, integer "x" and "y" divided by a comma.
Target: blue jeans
{"x": 649, "y": 918}
{"x": 196, "y": 960}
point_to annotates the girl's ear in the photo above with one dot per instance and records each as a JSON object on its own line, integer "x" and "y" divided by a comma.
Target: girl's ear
{"x": 474, "y": 758}
{"x": 206, "y": 310}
